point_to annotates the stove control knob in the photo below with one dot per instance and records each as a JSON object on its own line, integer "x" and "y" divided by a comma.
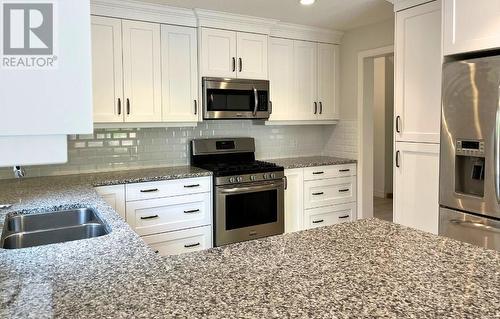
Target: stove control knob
{"x": 239, "y": 179}
{"x": 273, "y": 175}
{"x": 264, "y": 176}
{"x": 252, "y": 178}
{"x": 232, "y": 180}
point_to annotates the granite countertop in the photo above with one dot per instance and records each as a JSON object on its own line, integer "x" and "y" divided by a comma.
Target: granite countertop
{"x": 364, "y": 269}
{"x": 311, "y": 161}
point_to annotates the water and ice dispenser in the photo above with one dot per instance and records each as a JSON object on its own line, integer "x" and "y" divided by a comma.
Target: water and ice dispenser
{"x": 469, "y": 167}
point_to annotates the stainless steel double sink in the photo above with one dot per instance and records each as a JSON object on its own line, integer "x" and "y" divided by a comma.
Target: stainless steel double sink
{"x": 22, "y": 231}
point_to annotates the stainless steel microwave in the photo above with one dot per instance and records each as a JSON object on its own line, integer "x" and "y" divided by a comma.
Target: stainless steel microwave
{"x": 235, "y": 99}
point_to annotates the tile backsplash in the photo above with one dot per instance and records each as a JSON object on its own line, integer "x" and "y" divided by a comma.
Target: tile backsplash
{"x": 118, "y": 149}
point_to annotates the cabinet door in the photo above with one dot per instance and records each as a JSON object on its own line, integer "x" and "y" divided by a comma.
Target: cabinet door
{"x": 179, "y": 74}
{"x": 416, "y": 186}
{"x": 306, "y": 80}
{"x": 114, "y": 196}
{"x": 418, "y": 74}
{"x": 330, "y": 215}
{"x": 252, "y": 56}
{"x": 181, "y": 241}
{"x": 107, "y": 72}
{"x": 218, "y": 53}
{"x": 328, "y": 57}
{"x": 281, "y": 79}
{"x": 294, "y": 205}
{"x": 325, "y": 192}
{"x": 470, "y": 25}
{"x": 142, "y": 71}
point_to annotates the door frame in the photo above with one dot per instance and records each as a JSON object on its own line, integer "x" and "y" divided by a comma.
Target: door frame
{"x": 365, "y": 175}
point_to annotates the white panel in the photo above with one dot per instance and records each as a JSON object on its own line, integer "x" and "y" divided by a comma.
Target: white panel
{"x": 330, "y": 215}
{"x": 329, "y": 192}
{"x": 107, "y": 70}
{"x": 182, "y": 241}
{"x": 218, "y": 53}
{"x": 416, "y": 186}
{"x": 142, "y": 71}
{"x": 33, "y": 150}
{"x": 330, "y": 171}
{"x": 418, "y": 73}
{"x": 179, "y": 74}
{"x": 140, "y": 191}
{"x": 281, "y": 63}
{"x": 59, "y": 100}
{"x": 252, "y": 55}
{"x": 306, "y": 79}
{"x": 294, "y": 200}
{"x": 328, "y": 56}
{"x": 114, "y": 196}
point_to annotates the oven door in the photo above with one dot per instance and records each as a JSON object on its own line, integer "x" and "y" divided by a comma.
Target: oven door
{"x": 235, "y": 99}
{"x": 248, "y": 211}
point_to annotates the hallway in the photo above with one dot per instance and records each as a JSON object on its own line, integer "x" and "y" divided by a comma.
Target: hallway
{"x": 382, "y": 208}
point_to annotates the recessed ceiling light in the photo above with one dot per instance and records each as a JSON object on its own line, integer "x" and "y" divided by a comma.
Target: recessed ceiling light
{"x": 307, "y": 2}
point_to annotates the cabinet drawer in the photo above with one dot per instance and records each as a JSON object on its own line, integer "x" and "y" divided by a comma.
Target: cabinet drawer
{"x": 322, "y": 172}
{"x": 175, "y": 187}
{"x": 326, "y": 192}
{"x": 182, "y": 241}
{"x": 331, "y": 215}
{"x": 155, "y": 216}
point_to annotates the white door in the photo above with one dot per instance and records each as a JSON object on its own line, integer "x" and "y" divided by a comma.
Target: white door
{"x": 252, "y": 55}
{"x": 142, "y": 71}
{"x": 294, "y": 207}
{"x": 107, "y": 72}
{"x": 114, "y": 196}
{"x": 281, "y": 79}
{"x": 416, "y": 186}
{"x": 470, "y": 25}
{"x": 218, "y": 53}
{"x": 418, "y": 74}
{"x": 306, "y": 80}
{"x": 328, "y": 57}
{"x": 179, "y": 74}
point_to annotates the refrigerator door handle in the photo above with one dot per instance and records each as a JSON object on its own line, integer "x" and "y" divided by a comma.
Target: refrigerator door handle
{"x": 497, "y": 150}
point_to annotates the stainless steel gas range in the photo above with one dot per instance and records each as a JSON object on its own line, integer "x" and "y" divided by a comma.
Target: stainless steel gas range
{"x": 248, "y": 194}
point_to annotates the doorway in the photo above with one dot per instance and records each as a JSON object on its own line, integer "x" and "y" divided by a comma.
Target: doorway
{"x": 375, "y": 126}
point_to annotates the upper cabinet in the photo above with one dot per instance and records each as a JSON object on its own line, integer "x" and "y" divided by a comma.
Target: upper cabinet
{"x": 470, "y": 25}
{"x": 233, "y": 54}
{"x": 304, "y": 80}
{"x": 418, "y": 74}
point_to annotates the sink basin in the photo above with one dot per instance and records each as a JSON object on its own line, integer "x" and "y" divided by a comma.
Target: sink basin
{"x": 22, "y": 231}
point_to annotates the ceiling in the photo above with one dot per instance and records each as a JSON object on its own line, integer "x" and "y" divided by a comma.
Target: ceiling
{"x": 339, "y": 15}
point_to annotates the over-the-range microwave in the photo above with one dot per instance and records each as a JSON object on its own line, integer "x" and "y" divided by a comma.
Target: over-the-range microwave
{"x": 235, "y": 99}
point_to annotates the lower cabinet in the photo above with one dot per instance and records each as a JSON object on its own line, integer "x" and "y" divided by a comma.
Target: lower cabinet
{"x": 114, "y": 196}
{"x": 181, "y": 241}
{"x": 320, "y": 196}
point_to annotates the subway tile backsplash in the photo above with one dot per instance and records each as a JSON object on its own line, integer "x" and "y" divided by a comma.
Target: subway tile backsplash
{"x": 118, "y": 149}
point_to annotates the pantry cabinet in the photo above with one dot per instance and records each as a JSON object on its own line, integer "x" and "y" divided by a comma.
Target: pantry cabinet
{"x": 233, "y": 54}
{"x": 470, "y": 25}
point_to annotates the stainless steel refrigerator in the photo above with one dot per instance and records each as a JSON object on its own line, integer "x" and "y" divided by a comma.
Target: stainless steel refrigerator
{"x": 470, "y": 152}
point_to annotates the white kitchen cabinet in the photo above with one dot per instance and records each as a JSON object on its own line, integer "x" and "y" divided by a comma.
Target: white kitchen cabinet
{"x": 218, "y": 53}
{"x": 142, "y": 71}
{"x": 281, "y": 62}
{"x": 181, "y": 241}
{"x": 177, "y": 187}
{"x": 328, "y": 61}
{"x": 416, "y": 186}
{"x": 470, "y": 25}
{"x": 114, "y": 196}
{"x": 107, "y": 70}
{"x": 418, "y": 63}
{"x": 329, "y": 215}
{"x": 294, "y": 206}
{"x": 19, "y": 150}
{"x": 306, "y": 80}
{"x": 179, "y": 74}
{"x": 252, "y": 55}
{"x": 330, "y": 171}
{"x": 234, "y": 54}
{"x": 324, "y": 192}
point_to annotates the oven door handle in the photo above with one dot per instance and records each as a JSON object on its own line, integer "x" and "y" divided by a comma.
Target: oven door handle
{"x": 251, "y": 188}
{"x": 256, "y": 101}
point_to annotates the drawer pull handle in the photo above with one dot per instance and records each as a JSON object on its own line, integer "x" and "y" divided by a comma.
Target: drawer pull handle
{"x": 152, "y": 190}
{"x": 192, "y": 186}
{"x": 191, "y": 211}
{"x": 157, "y": 251}
{"x": 317, "y": 194}
{"x": 318, "y": 173}
{"x": 343, "y": 190}
{"x": 344, "y": 217}
{"x": 191, "y": 245}
{"x": 344, "y": 170}
{"x": 318, "y": 221}
{"x": 150, "y": 217}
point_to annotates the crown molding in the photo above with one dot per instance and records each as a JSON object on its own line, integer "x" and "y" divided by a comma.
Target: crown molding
{"x": 306, "y": 33}
{"x": 231, "y": 21}
{"x": 136, "y": 10}
{"x": 400, "y": 5}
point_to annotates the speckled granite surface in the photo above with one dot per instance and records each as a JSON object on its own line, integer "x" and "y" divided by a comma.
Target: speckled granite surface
{"x": 365, "y": 269}
{"x": 300, "y": 162}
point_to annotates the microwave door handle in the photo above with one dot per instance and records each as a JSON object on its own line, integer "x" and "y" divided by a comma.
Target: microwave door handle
{"x": 256, "y": 101}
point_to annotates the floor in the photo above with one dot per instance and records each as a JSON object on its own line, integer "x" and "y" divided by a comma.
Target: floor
{"x": 382, "y": 208}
